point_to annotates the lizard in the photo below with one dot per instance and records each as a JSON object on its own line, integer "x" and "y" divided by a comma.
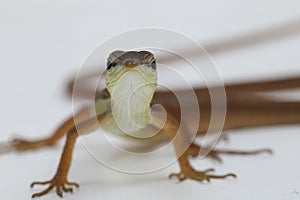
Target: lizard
{"x": 131, "y": 68}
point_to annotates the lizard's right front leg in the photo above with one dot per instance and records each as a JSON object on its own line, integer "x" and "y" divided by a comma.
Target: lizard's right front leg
{"x": 59, "y": 181}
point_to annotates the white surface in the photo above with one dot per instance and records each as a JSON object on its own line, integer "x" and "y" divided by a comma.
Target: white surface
{"x": 44, "y": 42}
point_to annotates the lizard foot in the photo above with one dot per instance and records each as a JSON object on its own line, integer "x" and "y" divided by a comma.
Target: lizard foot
{"x": 58, "y": 183}
{"x": 190, "y": 173}
{"x": 215, "y": 153}
{"x": 21, "y": 145}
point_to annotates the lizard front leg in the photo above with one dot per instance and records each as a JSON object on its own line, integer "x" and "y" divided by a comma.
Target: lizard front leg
{"x": 193, "y": 150}
{"x": 188, "y": 172}
{"x": 182, "y": 151}
{"x": 59, "y": 181}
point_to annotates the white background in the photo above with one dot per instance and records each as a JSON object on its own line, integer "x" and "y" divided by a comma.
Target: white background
{"x": 43, "y": 43}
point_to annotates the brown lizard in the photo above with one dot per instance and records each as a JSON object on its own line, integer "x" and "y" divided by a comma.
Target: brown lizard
{"x": 245, "y": 108}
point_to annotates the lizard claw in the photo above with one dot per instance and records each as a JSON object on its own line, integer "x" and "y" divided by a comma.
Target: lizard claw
{"x": 199, "y": 175}
{"x": 58, "y": 183}
{"x": 181, "y": 177}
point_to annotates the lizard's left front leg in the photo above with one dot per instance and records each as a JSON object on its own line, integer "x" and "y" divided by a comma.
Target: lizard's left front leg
{"x": 180, "y": 140}
{"x": 188, "y": 172}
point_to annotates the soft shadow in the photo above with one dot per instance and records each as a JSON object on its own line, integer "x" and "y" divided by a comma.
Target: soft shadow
{"x": 269, "y": 34}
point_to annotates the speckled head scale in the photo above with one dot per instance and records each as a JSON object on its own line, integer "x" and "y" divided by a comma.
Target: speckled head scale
{"x": 134, "y": 57}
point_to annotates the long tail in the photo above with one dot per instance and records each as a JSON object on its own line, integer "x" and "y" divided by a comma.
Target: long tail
{"x": 265, "y": 113}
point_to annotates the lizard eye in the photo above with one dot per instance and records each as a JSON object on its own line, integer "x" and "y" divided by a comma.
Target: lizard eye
{"x": 109, "y": 65}
{"x": 153, "y": 65}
